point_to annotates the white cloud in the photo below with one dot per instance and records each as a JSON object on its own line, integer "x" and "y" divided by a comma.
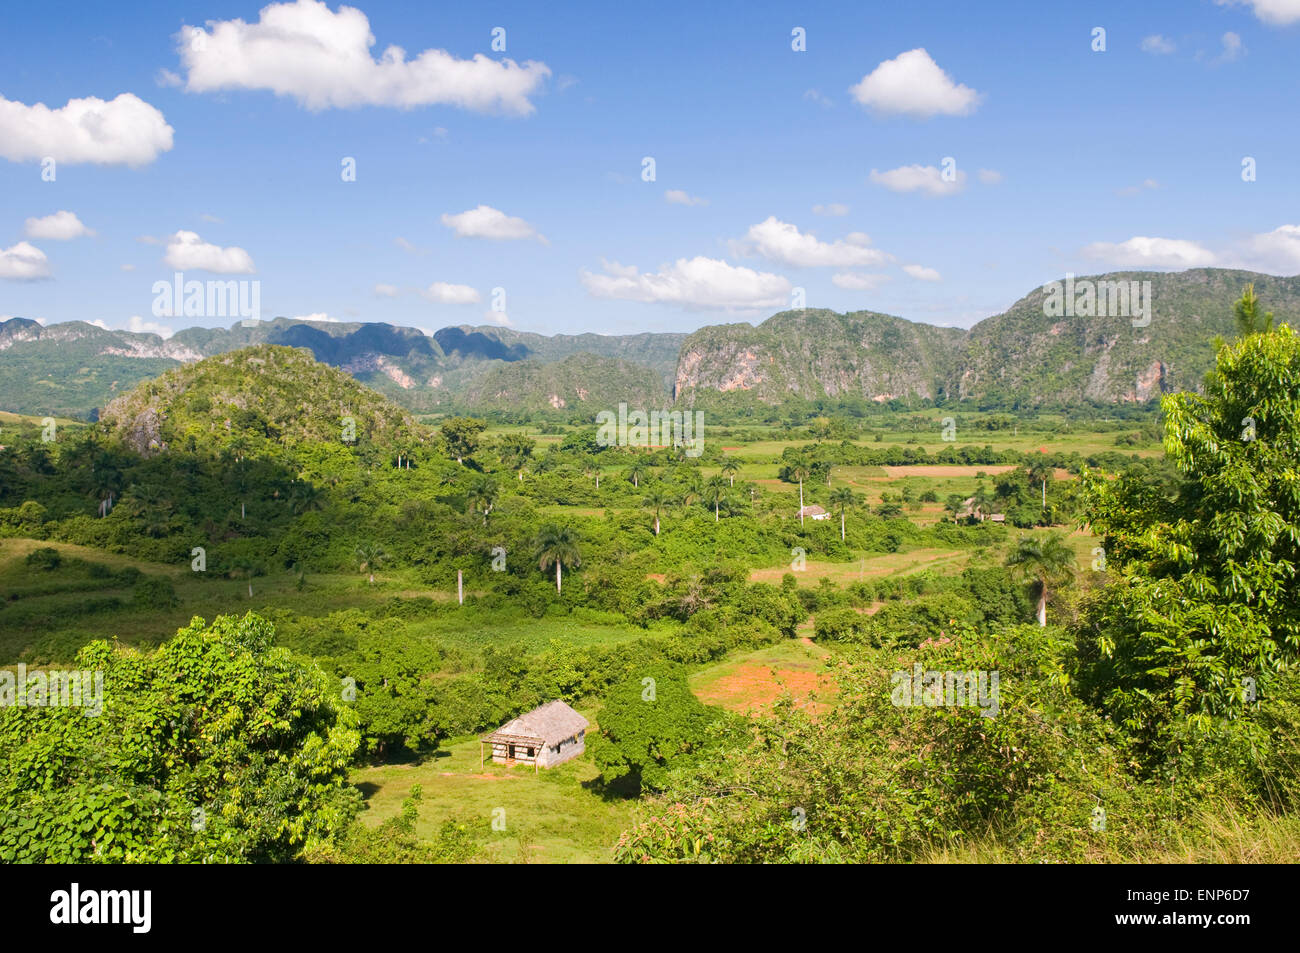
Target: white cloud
{"x": 100, "y": 323}
{"x": 386, "y": 291}
{"x": 487, "y": 222}
{"x": 783, "y": 243}
{"x": 705, "y": 284}
{"x": 919, "y": 178}
{"x": 989, "y": 176}
{"x": 831, "y": 210}
{"x": 1272, "y": 12}
{"x": 921, "y": 273}
{"x": 818, "y": 97}
{"x": 23, "y": 262}
{"x": 1143, "y": 252}
{"x": 856, "y": 282}
{"x": 62, "y": 226}
{"x": 319, "y": 316}
{"x": 122, "y": 131}
{"x": 1157, "y": 44}
{"x": 211, "y": 219}
{"x": 445, "y": 293}
{"x": 186, "y": 251}
{"x": 323, "y": 60}
{"x": 1146, "y": 184}
{"x": 912, "y": 84}
{"x": 1233, "y": 48}
{"x": 141, "y": 326}
{"x": 1277, "y": 251}
{"x": 678, "y": 197}
{"x": 404, "y": 245}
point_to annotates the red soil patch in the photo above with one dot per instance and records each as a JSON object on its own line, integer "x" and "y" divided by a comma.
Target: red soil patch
{"x": 753, "y": 687}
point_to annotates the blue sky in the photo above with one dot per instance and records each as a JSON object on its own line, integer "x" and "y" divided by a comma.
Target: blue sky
{"x": 1064, "y": 158}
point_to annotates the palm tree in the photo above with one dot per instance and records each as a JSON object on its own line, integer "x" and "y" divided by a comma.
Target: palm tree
{"x": 557, "y": 545}
{"x": 482, "y": 495}
{"x": 980, "y": 500}
{"x": 694, "y": 488}
{"x": 729, "y": 470}
{"x": 304, "y": 497}
{"x": 954, "y": 505}
{"x": 636, "y": 473}
{"x": 657, "y": 500}
{"x": 515, "y": 450}
{"x": 1044, "y": 561}
{"x": 715, "y": 491}
{"x": 843, "y": 497}
{"x": 370, "y": 556}
{"x": 800, "y": 471}
{"x": 1040, "y": 471}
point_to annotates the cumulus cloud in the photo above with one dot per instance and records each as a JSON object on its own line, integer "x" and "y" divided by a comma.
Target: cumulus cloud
{"x": 853, "y": 281}
{"x": 322, "y": 59}
{"x": 319, "y": 316}
{"x": 783, "y": 243}
{"x": 1144, "y": 252}
{"x": 1157, "y": 44}
{"x": 912, "y": 84}
{"x": 187, "y": 252}
{"x": 818, "y": 97}
{"x": 1272, "y": 12}
{"x": 121, "y": 131}
{"x": 23, "y": 262}
{"x": 445, "y": 293}
{"x": 62, "y": 226}
{"x": 921, "y": 273}
{"x": 487, "y": 222}
{"x": 141, "y": 326}
{"x": 386, "y": 291}
{"x": 678, "y": 197}
{"x": 1277, "y": 251}
{"x": 700, "y": 284}
{"x": 831, "y": 210}
{"x": 919, "y": 178}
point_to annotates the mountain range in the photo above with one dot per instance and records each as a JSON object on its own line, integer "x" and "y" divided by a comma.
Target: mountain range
{"x": 1031, "y": 354}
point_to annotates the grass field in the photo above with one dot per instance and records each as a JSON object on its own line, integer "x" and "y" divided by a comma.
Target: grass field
{"x": 551, "y": 816}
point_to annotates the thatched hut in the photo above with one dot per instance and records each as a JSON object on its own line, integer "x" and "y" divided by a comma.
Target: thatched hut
{"x": 543, "y": 737}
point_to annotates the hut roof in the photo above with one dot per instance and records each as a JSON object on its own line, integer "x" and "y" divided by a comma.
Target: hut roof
{"x": 550, "y": 724}
{"x": 812, "y": 509}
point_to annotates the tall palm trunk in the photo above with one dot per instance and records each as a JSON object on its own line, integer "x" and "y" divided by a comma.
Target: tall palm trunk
{"x": 1042, "y": 603}
{"x": 557, "y": 577}
{"x": 801, "y": 502}
{"x": 841, "y": 526}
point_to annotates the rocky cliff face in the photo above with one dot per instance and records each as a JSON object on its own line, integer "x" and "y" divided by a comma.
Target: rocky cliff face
{"x": 817, "y": 353}
{"x": 1104, "y": 347}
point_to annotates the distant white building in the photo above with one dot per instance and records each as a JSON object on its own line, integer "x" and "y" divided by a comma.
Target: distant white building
{"x": 813, "y": 512}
